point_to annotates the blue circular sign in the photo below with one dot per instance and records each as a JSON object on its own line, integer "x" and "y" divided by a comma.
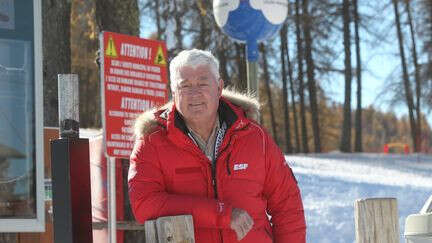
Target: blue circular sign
{"x": 250, "y": 21}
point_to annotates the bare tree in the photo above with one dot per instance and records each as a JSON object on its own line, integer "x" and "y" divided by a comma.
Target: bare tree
{"x": 407, "y": 85}
{"x": 425, "y": 34}
{"x": 358, "y": 115}
{"x": 56, "y": 52}
{"x": 118, "y": 16}
{"x": 293, "y": 103}
{"x": 417, "y": 80}
{"x": 311, "y": 76}
{"x": 299, "y": 42}
{"x": 268, "y": 90}
{"x": 284, "y": 53}
{"x": 178, "y": 12}
{"x": 345, "y": 145}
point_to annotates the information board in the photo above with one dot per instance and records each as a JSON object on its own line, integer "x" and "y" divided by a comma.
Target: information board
{"x": 134, "y": 79}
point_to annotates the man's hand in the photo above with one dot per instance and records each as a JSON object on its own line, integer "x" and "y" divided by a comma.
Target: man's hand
{"x": 241, "y": 222}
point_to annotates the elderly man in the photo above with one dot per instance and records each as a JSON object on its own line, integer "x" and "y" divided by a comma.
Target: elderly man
{"x": 204, "y": 155}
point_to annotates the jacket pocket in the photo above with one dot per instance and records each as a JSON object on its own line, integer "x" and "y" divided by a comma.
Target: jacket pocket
{"x": 187, "y": 170}
{"x": 189, "y": 181}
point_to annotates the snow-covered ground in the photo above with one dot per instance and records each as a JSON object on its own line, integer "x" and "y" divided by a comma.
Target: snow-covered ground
{"x": 330, "y": 183}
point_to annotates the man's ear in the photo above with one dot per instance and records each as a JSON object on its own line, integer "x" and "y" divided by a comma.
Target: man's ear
{"x": 220, "y": 87}
{"x": 173, "y": 96}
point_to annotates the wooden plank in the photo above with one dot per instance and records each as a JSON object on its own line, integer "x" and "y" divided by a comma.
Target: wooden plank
{"x": 30, "y": 238}
{"x": 121, "y": 225}
{"x": 48, "y": 235}
{"x": 175, "y": 229}
{"x": 376, "y": 220}
{"x": 150, "y": 232}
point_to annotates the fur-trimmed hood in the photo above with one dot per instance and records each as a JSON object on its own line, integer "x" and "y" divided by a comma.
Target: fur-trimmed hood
{"x": 147, "y": 122}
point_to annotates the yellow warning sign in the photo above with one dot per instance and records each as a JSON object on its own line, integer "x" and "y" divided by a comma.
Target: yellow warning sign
{"x": 160, "y": 59}
{"x": 111, "y": 49}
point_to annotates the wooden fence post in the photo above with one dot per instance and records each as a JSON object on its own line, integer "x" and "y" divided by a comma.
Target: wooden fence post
{"x": 150, "y": 232}
{"x": 376, "y": 220}
{"x": 175, "y": 229}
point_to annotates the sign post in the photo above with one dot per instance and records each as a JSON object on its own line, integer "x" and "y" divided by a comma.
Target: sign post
{"x": 134, "y": 79}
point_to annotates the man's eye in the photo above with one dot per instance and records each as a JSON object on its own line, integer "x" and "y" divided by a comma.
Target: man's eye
{"x": 185, "y": 86}
{"x": 203, "y": 85}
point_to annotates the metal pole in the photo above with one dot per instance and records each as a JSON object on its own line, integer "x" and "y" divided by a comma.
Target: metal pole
{"x": 252, "y": 80}
{"x": 252, "y": 67}
{"x": 112, "y": 223}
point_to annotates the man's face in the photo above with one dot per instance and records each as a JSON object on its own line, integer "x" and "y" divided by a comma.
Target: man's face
{"x": 197, "y": 95}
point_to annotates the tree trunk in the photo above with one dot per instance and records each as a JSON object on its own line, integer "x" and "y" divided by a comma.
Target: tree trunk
{"x": 294, "y": 109}
{"x": 283, "y": 42}
{"x": 203, "y": 33}
{"x": 56, "y": 52}
{"x": 305, "y": 146}
{"x": 268, "y": 91}
{"x": 178, "y": 31}
{"x": 416, "y": 78}
{"x": 84, "y": 45}
{"x": 204, "y": 29}
{"x": 221, "y": 54}
{"x": 358, "y": 116}
{"x": 118, "y": 16}
{"x": 158, "y": 19}
{"x": 407, "y": 85}
{"x": 345, "y": 145}
{"x": 311, "y": 77}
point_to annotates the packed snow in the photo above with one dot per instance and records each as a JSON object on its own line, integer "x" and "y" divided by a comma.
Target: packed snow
{"x": 330, "y": 183}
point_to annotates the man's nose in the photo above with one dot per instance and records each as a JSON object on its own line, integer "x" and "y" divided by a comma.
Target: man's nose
{"x": 195, "y": 90}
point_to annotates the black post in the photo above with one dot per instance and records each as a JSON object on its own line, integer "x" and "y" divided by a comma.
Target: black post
{"x": 71, "y": 190}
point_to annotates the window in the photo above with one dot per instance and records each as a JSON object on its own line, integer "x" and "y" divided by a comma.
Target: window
{"x": 21, "y": 138}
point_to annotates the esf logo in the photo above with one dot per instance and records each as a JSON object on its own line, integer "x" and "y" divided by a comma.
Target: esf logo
{"x": 240, "y": 166}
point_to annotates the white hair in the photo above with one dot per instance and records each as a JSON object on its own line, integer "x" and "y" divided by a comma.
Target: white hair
{"x": 192, "y": 58}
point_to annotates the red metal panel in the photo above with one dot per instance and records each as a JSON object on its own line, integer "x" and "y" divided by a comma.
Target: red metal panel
{"x": 99, "y": 191}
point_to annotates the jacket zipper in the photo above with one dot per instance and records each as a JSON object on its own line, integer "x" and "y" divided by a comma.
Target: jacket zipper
{"x": 214, "y": 181}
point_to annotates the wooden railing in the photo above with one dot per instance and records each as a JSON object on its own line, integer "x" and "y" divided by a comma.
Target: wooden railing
{"x": 172, "y": 229}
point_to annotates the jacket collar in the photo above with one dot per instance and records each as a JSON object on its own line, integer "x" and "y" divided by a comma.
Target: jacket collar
{"x": 236, "y": 109}
{"x": 228, "y": 113}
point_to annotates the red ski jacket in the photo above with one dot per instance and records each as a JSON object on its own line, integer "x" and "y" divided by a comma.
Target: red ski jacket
{"x": 169, "y": 175}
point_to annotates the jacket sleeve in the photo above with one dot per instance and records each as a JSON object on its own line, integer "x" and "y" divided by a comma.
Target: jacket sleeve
{"x": 284, "y": 200}
{"x": 150, "y": 200}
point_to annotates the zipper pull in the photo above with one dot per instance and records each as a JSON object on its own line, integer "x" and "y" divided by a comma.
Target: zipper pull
{"x": 213, "y": 182}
